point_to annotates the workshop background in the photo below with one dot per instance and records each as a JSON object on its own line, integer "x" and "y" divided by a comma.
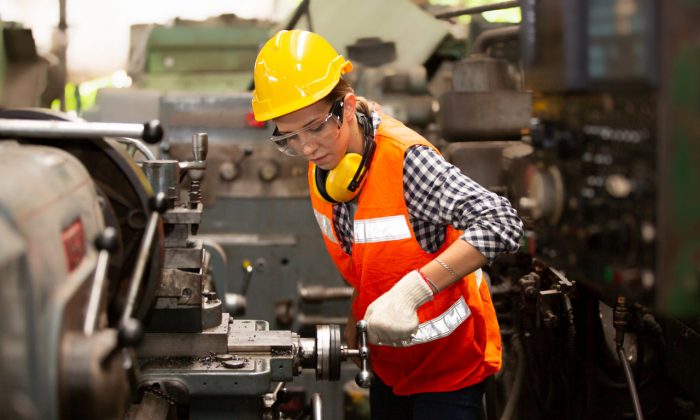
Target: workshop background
{"x": 159, "y": 258}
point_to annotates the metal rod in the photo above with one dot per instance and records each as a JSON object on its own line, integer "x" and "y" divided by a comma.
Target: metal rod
{"x": 140, "y": 266}
{"x": 514, "y": 394}
{"x": 481, "y": 45}
{"x": 98, "y": 282}
{"x": 298, "y": 13}
{"x": 278, "y": 387}
{"x": 478, "y": 9}
{"x": 148, "y": 153}
{"x": 630, "y": 382}
{"x": 324, "y": 293}
{"x": 60, "y": 47}
{"x": 63, "y": 129}
{"x": 316, "y": 407}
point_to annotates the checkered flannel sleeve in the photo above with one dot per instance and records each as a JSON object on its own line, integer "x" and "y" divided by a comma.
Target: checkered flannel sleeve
{"x": 438, "y": 193}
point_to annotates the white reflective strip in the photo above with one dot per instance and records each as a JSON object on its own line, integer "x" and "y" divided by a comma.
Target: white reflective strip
{"x": 441, "y": 326}
{"x": 479, "y": 276}
{"x": 382, "y": 229}
{"x": 326, "y": 227}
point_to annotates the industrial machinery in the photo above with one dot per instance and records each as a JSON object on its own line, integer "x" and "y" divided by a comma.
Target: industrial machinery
{"x": 599, "y": 310}
{"x": 110, "y": 309}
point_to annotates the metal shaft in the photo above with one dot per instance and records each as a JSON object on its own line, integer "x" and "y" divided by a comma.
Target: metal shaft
{"x": 106, "y": 243}
{"x": 478, "y": 9}
{"x": 63, "y": 129}
{"x": 316, "y": 407}
{"x": 140, "y": 266}
{"x": 630, "y": 383}
{"x": 93, "y": 308}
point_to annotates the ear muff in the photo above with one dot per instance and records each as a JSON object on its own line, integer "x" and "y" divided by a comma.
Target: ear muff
{"x": 344, "y": 182}
{"x": 335, "y": 185}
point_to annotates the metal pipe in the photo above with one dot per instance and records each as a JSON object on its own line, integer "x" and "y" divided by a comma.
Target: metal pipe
{"x": 306, "y": 320}
{"x": 60, "y": 47}
{"x": 316, "y": 407}
{"x": 298, "y": 13}
{"x": 324, "y": 293}
{"x": 150, "y": 132}
{"x": 514, "y": 394}
{"x": 148, "y": 153}
{"x": 478, "y": 9}
{"x": 491, "y": 36}
{"x": 630, "y": 382}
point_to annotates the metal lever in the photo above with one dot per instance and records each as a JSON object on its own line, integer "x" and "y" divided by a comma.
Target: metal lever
{"x": 200, "y": 149}
{"x": 158, "y": 205}
{"x": 363, "y": 377}
{"x": 620, "y": 321}
{"x": 130, "y": 331}
{"x": 106, "y": 243}
{"x": 150, "y": 132}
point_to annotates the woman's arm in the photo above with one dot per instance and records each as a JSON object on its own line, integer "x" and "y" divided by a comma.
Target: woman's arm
{"x": 438, "y": 193}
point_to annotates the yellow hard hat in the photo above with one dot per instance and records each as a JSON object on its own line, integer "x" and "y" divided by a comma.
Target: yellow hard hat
{"x": 293, "y": 70}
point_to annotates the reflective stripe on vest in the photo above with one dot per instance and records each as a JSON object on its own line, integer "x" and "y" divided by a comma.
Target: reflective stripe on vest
{"x": 391, "y": 228}
{"x": 445, "y": 323}
{"x": 326, "y": 227}
{"x": 441, "y": 326}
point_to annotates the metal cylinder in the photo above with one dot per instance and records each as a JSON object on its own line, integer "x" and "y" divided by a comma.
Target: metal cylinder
{"x": 164, "y": 176}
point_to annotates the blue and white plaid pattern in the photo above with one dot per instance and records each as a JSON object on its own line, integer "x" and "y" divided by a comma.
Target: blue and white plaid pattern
{"x": 438, "y": 194}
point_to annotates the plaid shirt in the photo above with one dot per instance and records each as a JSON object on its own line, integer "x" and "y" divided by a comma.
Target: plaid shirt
{"x": 438, "y": 194}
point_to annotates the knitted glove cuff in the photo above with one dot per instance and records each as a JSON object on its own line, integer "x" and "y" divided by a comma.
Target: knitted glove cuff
{"x": 412, "y": 290}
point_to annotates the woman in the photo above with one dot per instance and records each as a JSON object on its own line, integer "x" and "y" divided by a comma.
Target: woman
{"x": 405, "y": 228}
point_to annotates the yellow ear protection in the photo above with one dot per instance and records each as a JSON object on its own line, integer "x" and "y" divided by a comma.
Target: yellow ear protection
{"x": 342, "y": 183}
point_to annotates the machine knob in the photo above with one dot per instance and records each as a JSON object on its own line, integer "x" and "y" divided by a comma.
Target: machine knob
{"x": 152, "y": 132}
{"x": 228, "y": 171}
{"x": 200, "y": 146}
{"x": 158, "y": 203}
{"x": 269, "y": 171}
{"x": 107, "y": 240}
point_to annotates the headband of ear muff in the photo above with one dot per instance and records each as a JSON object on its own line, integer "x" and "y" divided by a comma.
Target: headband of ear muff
{"x": 344, "y": 182}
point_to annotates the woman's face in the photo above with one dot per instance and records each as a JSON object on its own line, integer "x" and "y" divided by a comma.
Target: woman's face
{"x": 319, "y": 138}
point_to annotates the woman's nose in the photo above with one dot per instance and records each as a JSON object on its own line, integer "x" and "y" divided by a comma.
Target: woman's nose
{"x": 308, "y": 148}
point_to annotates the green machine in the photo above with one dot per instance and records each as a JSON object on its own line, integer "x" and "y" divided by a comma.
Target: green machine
{"x": 214, "y": 55}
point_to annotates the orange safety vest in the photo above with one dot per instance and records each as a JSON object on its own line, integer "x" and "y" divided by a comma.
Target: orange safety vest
{"x": 458, "y": 342}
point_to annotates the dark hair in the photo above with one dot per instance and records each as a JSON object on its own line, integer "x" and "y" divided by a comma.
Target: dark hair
{"x": 341, "y": 89}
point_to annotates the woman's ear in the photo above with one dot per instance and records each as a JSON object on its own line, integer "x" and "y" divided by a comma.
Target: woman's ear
{"x": 350, "y": 101}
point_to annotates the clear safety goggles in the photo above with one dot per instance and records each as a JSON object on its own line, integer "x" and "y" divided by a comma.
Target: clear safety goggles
{"x": 292, "y": 143}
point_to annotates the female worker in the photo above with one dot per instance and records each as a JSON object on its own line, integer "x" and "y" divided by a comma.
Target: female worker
{"x": 405, "y": 228}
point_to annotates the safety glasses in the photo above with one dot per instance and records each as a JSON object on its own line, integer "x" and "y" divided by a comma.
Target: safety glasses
{"x": 292, "y": 143}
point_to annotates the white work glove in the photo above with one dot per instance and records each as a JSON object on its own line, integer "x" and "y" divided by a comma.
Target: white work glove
{"x": 392, "y": 318}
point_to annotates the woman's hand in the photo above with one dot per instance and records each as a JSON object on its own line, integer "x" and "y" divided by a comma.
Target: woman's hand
{"x": 392, "y": 318}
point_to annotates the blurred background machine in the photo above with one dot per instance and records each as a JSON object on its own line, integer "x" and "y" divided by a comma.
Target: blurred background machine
{"x": 599, "y": 310}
